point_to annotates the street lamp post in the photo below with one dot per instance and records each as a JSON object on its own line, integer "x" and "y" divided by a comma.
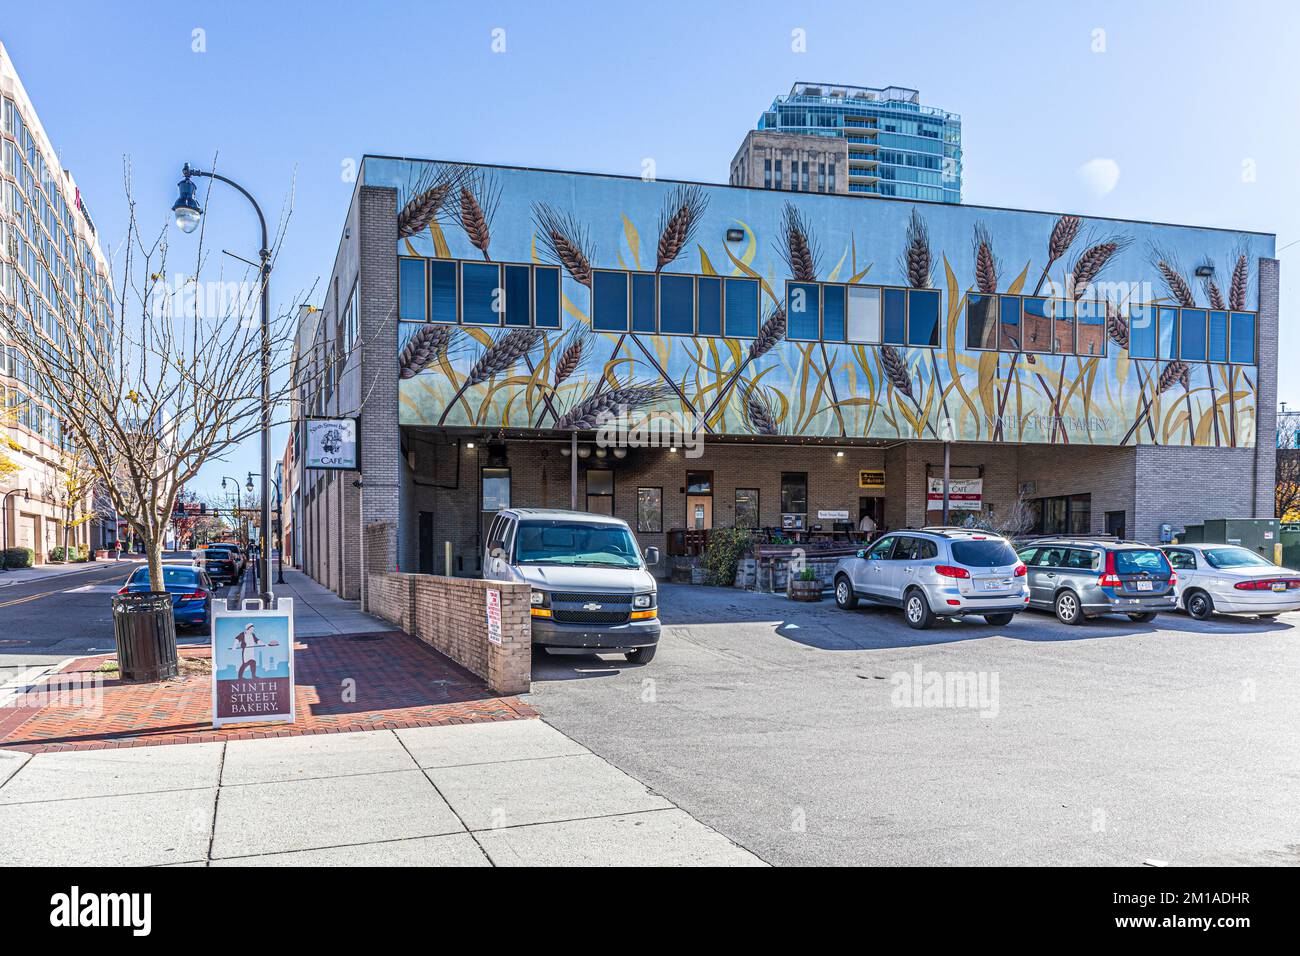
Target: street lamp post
{"x": 4, "y": 515}
{"x": 279, "y": 524}
{"x": 188, "y": 213}
{"x": 239, "y": 508}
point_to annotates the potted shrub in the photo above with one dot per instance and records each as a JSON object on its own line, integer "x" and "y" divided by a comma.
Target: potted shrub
{"x": 805, "y": 586}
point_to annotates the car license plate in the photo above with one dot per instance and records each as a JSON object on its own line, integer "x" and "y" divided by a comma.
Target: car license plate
{"x": 1279, "y": 585}
{"x": 1144, "y": 586}
{"x": 995, "y": 584}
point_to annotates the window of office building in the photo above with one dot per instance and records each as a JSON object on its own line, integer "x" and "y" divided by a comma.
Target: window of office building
{"x": 794, "y": 492}
{"x": 496, "y": 489}
{"x": 746, "y": 507}
{"x": 649, "y": 510}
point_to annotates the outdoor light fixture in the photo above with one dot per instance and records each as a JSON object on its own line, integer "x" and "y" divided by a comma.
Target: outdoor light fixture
{"x": 565, "y": 451}
{"x": 735, "y": 235}
{"x": 186, "y": 209}
{"x": 673, "y": 450}
{"x": 839, "y": 454}
{"x": 601, "y": 453}
{"x": 249, "y": 487}
{"x": 620, "y": 452}
{"x": 469, "y": 445}
{"x": 1205, "y": 271}
{"x": 584, "y": 452}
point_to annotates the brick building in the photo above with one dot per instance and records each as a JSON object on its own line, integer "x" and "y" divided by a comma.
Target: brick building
{"x": 781, "y": 361}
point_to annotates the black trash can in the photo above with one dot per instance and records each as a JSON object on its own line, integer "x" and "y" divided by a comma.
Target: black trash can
{"x": 145, "y": 632}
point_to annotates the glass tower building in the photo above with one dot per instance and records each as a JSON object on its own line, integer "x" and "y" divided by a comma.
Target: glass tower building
{"x": 896, "y": 146}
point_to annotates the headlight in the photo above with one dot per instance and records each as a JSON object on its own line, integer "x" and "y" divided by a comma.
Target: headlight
{"x": 643, "y": 601}
{"x": 538, "y": 599}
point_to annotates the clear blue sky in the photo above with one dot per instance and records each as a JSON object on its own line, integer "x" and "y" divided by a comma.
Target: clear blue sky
{"x": 1182, "y": 97}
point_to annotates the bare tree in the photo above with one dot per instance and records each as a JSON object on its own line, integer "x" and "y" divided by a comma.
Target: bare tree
{"x": 169, "y": 382}
{"x": 72, "y": 491}
{"x": 1286, "y": 494}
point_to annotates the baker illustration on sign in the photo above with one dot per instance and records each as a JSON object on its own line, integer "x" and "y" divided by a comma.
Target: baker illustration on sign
{"x": 331, "y": 442}
{"x": 249, "y": 645}
{"x": 252, "y": 664}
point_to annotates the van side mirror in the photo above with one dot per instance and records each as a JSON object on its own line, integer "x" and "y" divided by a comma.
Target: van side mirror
{"x": 652, "y": 555}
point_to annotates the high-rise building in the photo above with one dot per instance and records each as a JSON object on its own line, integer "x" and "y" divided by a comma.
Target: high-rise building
{"x": 873, "y": 142}
{"x": 50, "y": 264}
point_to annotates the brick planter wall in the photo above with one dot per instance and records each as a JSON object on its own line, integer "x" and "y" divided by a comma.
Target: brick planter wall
{"x": 450, "y": 615}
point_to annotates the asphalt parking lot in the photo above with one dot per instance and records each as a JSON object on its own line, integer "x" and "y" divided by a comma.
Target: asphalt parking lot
{"x": 812, "y": 735}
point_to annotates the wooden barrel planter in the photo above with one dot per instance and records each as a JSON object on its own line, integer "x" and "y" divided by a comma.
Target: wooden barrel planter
{"x": 799, "y": 590}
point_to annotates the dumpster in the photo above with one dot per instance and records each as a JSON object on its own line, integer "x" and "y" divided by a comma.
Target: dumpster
{"x": 145, "y": 632}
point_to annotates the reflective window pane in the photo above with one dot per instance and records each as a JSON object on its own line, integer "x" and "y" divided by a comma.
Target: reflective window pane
{"x": 895, "y": 312}
{"x": 410, "y": 290}
{"x": 1192, "y": 344}
{"x": 546, "y": 297}
{"x": 708, "y": 320}
{"x": 1243, "y": 338}
{"x": 676, "y": 305}
{"x": 981, "y": 322}
{"x": 442, "y": 290}
{"x": 742, "y": 308}
{"x": 923, "y": 318}
{"x": 1036, "y": 326}
{"x": 517, "y": 295}
{"x": 480, "y": 295}
{"x": 609, "y": 301}
{"x": 643, "y": 302}
{"x": 833, "y": 313}
{"x": 1009, "y": 323}
{"x": 1218, "y": 336}
{"x": 803, "y": 310}
{"x": 864, "y": 314}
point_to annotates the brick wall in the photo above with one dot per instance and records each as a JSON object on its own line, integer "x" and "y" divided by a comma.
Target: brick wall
{"x": 380, "y": 438}
{"x": 450, "y": 614}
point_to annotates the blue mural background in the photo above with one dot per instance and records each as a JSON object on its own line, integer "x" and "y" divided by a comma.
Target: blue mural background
{"x": 774, "y": 386}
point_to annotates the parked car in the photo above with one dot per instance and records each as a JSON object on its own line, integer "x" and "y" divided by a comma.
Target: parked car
{"x": 190, "y": 588}
{"x": 591, "y": 588}
{"x": 237, "y": 552}
{"x": 936, "y": 572}
{"x": 221, "y": 565}
{"x": 1231, "y": 579}
{"x": 1082, "y": 577}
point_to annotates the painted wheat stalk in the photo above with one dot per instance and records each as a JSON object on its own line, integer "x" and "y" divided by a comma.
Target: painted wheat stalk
{"x": 1085, "y": 270}
{"x": 802, "y": 255}
{"x": 576, "y": 347}
{"x": 505, "y": 352}
{"x": 426, "y": 199}
{"x": 759, "y": 412}
{"x": 770, "y": 334}
{"x": 917, "y": 264}
{"x": 478, "y": 203}
{"x": 1064, "y": 231}
{"x": 565, "y": 240}
{"x": 1117, "y": 330}
{"x": 1238, "y": 288}
{"x": 678, "y": 221}
{"x": 595, "y": 410}
{"x": 423, "y": 348}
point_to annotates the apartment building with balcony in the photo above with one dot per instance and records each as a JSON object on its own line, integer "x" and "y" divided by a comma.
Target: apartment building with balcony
{"x": 891, "y": 143}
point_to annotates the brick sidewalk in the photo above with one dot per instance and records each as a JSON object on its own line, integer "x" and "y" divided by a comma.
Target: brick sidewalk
{"x": 399, "y": 682}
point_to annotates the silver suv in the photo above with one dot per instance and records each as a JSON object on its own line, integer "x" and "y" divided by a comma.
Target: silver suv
{"x": 936, "y": 572}
{"x": 1081, "y": 577}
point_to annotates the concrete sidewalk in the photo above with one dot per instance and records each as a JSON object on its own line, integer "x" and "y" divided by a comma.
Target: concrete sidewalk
{"x": 509, "y": 793}
{"x": 317, "y": 610}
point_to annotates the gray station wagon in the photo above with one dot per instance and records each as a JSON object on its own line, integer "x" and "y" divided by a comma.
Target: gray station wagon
{"x": 1081, "y": 577}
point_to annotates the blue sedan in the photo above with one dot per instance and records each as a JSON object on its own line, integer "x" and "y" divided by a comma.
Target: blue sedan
{"x": 190, "y": 588}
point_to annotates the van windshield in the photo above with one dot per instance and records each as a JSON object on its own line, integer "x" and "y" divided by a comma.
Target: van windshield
{"x": 570, "y": 542}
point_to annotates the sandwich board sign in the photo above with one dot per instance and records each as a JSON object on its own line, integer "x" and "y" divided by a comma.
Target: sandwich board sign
{"x": 252, "y": 664}
{"x": 331, "y": 443}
